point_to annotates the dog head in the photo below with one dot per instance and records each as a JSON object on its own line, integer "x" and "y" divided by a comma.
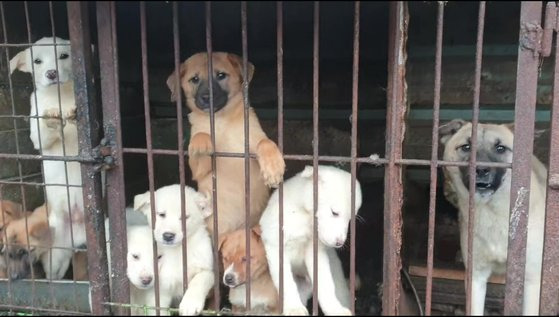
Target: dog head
{"x": 22, "y": 256}
{"x": 168, "y": 215}
{"x": 233, "y": 250}
{"x": 494, "y": 144}
{"x": 194, "y": 80}
{"x": 139, "y": 268}
{"x": 47, "y": 65}
{"x": 334, "y": 202}
{"x": 9, "y": 211}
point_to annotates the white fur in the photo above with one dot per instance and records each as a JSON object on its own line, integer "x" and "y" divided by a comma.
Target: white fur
{"x": 334, "y": 193}
{"x": 200, "y": 275}
{"x": 46, "y": 135}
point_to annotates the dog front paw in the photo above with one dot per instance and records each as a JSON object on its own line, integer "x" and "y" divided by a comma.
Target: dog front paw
{"x": 272, "y": 165}
{"x": 200, "y": 144}
{"x": 340, "y": 311}
{"x": 52, "y": 118}
{"x": 296, "y": 311}
{"x": 190, "y": 307}
{"x": 71, "y": 115}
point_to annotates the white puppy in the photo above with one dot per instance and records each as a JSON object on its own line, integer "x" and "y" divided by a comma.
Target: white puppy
{"x": 65, "y": 204}
{"x": 169, "y": 236}
{"x": 334, "y": 214}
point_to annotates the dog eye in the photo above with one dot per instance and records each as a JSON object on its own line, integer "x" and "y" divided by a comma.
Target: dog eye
{"x": 465, "y": 147}
{"x": 500, "y": 148}
{"x": 64, "y": 56}
{"x": 159, "y": 257}
{"x": 335, "y": 214}
{"x": 135, "y": 256}
{"x": 221, "y": 75}
{"x": 194, "y": 79}
{"x": 244, "y": 259}
{"x": 162, "y": 215}
{"x": 21, "y": 252}
{"x": 37, "y": 61}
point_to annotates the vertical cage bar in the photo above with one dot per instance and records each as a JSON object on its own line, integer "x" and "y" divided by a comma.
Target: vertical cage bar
{"x": 434, "y": 157}
{"x": 246, "y": 153}
{"x": 279, "y": 21}
{"x": 149, "y": 145}
{"x": 524, "y": 118}
{"x": 88, "y": 136}
{"x": 354, "y": 121}
{"x": 213, "y": 156}
{"x": 116, "y": 202}
{"x": 393, "y": 186}
{"x": 473, "y": 159}
{"x": 316, "y": 29}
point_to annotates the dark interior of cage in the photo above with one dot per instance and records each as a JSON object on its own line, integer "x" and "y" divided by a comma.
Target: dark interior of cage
{"x": 498, "y": 80}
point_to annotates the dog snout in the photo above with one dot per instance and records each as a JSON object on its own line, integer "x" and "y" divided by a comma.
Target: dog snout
{"x": 51, "y": 74}
{"x": 146, "y": 280}
{"x": 169, "y": 237}
{"x": 482, "y": 172}
{"x": 339, "y": 242}
{"x": 229, "y": 279}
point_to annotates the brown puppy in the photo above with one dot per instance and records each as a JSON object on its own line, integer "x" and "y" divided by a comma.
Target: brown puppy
{"x": 9, "y": 211}
{"x": 22, "y": 256}
{"x": 228, "y": 104}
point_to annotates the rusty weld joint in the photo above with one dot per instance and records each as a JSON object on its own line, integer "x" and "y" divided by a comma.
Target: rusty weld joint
{"x": 554, "y": 181}
{"x": 104, "y": 160}
{"x": 531, "y": 37}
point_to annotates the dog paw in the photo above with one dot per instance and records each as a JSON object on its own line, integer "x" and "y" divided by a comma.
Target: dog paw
{"x": 71, "y": 115}
{"x": 190, "y": 307}
{"x": 272, "y": 165}
{"x": 296, "y": 311}
{"x": 341, "y": 311}
{"x": 52, "y": 118}
{"x": 200, "y": 144}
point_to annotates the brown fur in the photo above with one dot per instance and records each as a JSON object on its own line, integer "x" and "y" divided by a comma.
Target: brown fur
{"x": 79, "y": 265}
{"x": 9, "y": 211}
{"x": 233, "y": 249}
{"x": 269, "y": 167}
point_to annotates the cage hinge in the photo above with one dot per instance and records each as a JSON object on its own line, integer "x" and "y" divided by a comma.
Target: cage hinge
{"x": 103, "y": 156}
{"x": 537, "y": 39}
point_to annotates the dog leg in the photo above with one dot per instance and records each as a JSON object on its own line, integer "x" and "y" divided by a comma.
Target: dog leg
{"x": 340, "y": 282}
{"x": 198, "y": 150}
{"x": 479, "y": 289}
{"x": 49, "y": 129}
{"x": 194, "y": 298}
{"x": 272, "y": 165}
{"x": 327, "y": 290}
{"x": 60, "y": 262}
{"x": 292, "y": 304}
{"x": 531, "y": 294}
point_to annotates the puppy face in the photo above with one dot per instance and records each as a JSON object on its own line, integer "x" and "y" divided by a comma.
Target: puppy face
{"x": 21, "y": 255}
{"x": 334, "y": 203}
{"x": 227, "y": 80}
{"x": 494, "y": 144}
{"x": 233, "y": 250}
{"x": 9, "y": 211}
{"x": 139, "y": 267}
{"x": 168, "y": 216}
{"x": 47, "y": 65}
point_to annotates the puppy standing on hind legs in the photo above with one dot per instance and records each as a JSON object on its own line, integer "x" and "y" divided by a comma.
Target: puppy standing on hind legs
{"x": 492, "y": 205}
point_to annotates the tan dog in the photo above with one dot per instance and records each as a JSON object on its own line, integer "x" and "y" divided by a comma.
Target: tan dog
{"x": 9, "y": 211}
{"x": 492, "y": 205}
{"x": 228, "y": 105}
{"x": 21, "y": 255}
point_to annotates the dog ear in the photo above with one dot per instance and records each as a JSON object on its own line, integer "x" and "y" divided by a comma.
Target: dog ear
{"x": 537, "y": 132}
{"x": 142, "y": 202}
{"x": 203, "y": 201}
{"x": 237, "y": 62}
{"x": 172, "y": 82}
{"x": 221, "y": 241}
{"x": 41, "y": 231}
{"x": 447, "y": 130}
{"x": 20, "y": 61}
{"x": 11, "y": 208}
{"x": 257, "y": 231}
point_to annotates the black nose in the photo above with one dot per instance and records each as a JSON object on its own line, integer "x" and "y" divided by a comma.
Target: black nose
{"x": 167, "y": 236}
{"x": 482, "y": 171}
{"x": 229, "y": 279}
{"x": 339, "y": 243}
{"x": 205, "y": 98}
{"x": 146, "y": 280}
{"x": 51, "y": 74}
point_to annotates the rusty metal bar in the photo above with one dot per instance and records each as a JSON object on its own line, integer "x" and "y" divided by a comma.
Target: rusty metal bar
{"x": 524, "y": 115}
{"x": 149, "y": 145}
{"x": 434, "y": 157}
{"x": 88, "y": 136}
{"x": 213, "y": 156}
{"x": 77, "y": 158}
{"x": 247, "y": 149}
{"x": 279, "y": 19}
{"x": 396, "y": 110}
{"x": 354, "y": 120}
{"x": 180, "y": 144}
{"x": 549, "y": 305}
{"x": 116, "y": 202}
{"x": 316, "y": 30}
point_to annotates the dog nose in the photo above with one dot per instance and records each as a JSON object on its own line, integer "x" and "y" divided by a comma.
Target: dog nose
{"x": 205, "y": 98}
{"x": 339, "y": 243}
{"x": 168, "y": 236}
{"x": 146, "y": 280}
{"x": 51, "y": 74}
{"x": 229, "y": 279}
{"x": 482, "y": 171}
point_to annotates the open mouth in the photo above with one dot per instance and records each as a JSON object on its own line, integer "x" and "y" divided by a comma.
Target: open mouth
{"x": 480, "y": 186}
{"x": 233, "y": 285}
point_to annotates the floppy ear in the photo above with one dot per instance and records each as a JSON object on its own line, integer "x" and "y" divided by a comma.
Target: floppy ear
{"x": 307, "y": 172}
{"x": 221, "y": 241}
{"x": 11, "y": 208}
{"x": 237, "y": 62}
{"x": 257, "y": 231}
{"x": 172, "y": 82}
{"x": 41, "y": 231}
{"x": 447, "y": 130}
{"x": 141, "y": 202}
{"x": 20, "y": 62}
{"x": 203, "y": 201}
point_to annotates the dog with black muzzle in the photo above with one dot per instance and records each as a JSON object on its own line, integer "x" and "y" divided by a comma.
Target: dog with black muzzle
{"x": 492, "y": 206}
{"x": 228, "y": 106}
